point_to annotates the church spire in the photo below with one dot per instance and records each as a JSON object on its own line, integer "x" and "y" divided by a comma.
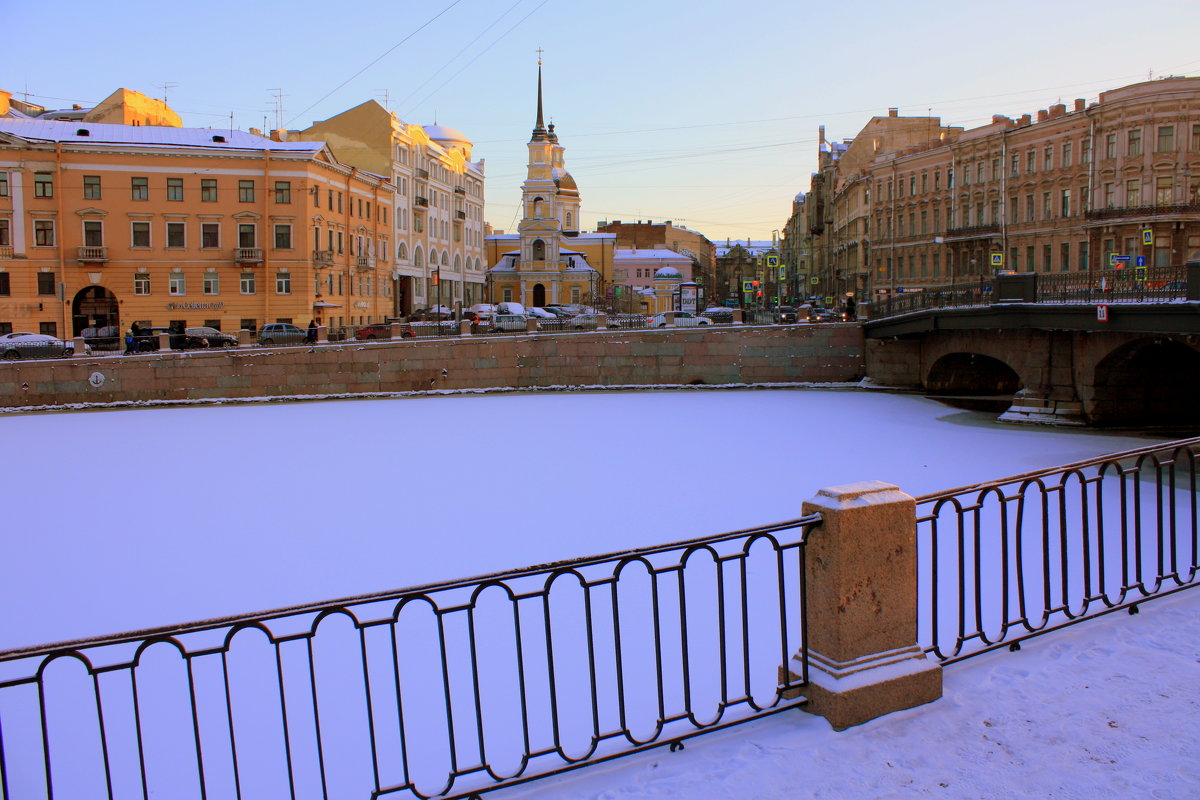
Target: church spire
{"x": 539, "y": 128}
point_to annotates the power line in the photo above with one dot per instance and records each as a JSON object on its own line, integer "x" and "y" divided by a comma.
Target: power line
{"x": 386, "y": 53}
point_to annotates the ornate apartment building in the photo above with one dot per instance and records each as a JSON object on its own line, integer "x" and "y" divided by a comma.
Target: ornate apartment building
{"x": 106, "y": 224}
{"x": 909, "y": 203}
{"x": 438, "y": 213}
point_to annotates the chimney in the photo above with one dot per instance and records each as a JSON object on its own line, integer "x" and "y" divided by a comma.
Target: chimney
{"x": 1043, "y": 115}
{"x": 279, "y": 135}
{"x": 1057, "y": 110}
{"x": 1079, "y": 103}
{"x": 822, "y": 134}
{"x": 893, "y": 112}
{"x": 1026, "y": 119}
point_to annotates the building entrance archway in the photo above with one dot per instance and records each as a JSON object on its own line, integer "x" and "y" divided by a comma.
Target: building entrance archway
{"x": 97, "y": 309}
{"x": 539, "y": 295}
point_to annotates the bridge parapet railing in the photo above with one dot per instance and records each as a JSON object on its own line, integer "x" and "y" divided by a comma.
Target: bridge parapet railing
{"x": 1003, "y": 561}
{"x": 445, "y": 690}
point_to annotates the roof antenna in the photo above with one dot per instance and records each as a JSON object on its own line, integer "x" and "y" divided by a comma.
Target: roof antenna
{"x": 164, "y": 87}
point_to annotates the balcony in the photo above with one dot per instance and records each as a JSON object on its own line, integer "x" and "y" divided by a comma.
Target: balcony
{"x": 421, "y": 201}
{"x": 1143, "y": 211}
{"x": 973, "y": 232}
{"x": 248, "y": 255}
{"x": 460, "y": 215}
{"x": 423, "y": 174}
{"x": 6, "y": 251}
{"x": 93, "y": 254}
{"x": 459, "y": 190}
{"x": 322, "y": 258}
{"x": 364, "y": 262}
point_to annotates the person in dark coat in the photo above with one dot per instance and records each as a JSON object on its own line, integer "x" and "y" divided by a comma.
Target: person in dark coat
{"x": 311, "y": 336}
{"x": 131, "y": 339}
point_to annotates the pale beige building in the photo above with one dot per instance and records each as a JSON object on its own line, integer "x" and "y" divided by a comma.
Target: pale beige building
{"x": 438, "y": 212}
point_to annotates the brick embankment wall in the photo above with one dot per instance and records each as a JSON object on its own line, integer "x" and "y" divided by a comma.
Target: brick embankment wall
{"x": 718, "y": 355}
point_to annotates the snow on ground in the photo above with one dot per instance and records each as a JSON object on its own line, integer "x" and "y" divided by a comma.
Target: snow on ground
{"x": 119, "y": 520}
{"x": 1108, "y": 708}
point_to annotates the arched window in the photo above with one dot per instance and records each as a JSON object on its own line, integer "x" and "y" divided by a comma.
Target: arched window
{"x": 445, "y": 259}
{"x": 539, "y": 250}
{"x": 402, "y": 252}
{"x": 458, "y": 263}
{"x": 433, "y": 262}
{"x": 418, "y": 261}
{"x": 570, "y": 224}
{"x": 537, "y": 207}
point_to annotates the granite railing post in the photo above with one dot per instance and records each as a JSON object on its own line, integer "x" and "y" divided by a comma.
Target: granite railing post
{"x": 861, "y": 592}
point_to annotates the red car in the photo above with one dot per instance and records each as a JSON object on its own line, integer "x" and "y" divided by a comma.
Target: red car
{"x": 381, "y": 330}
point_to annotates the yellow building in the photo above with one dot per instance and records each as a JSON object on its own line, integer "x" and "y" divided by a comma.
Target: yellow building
{"x": 438, "y": 202}
{"x": 549, "y": 260}
{"x": 106, "y": 224}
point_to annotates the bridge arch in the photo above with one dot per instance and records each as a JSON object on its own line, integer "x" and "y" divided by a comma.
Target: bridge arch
{"x": 973, "y": 380}
{"x": 1152, "y": 381}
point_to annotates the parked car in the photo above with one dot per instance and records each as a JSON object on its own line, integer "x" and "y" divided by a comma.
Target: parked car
{"x": 281, "y": 333}
{"x": 14, "y": 346}
{"x": 381, "y": 330}
{"x": 147, "y": 340}
{"x": 483, "y": 311}
{"x": 785, "y": 315}
{"x": 582, "y": 322}
{"x": 540, "y": 313}
{"x": 205, "y": 336}
{"x": 718, "y": 314}
{"x": 509, "y": 322}
{"x": 678, "y": 319}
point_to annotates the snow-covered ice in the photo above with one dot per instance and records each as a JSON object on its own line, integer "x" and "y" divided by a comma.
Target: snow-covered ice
{"x": 122, "y": 520}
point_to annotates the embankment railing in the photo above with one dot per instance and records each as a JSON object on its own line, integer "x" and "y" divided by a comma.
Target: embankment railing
{"x": 446, "y": 690}
{"x": 1006, "y": 560}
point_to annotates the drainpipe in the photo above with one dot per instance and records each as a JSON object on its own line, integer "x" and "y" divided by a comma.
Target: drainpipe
{"x": 60, "y": 226}
{"x": 1004, "y": 194}
{"x": 267, "y": 237}
{"x": 1091, "y": 186}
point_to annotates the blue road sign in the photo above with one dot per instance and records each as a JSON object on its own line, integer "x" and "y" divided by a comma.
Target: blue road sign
{"x": 1141, "y": 261}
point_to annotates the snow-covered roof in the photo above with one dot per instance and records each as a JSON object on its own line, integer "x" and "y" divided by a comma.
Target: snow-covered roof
{"x": 634, "y": 254}
{"x": 36, "y": 130}
{"x": 442, "y": 133}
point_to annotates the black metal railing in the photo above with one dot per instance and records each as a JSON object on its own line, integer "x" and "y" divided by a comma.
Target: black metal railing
{"x": 1125, "y": 285}
{"x": 446, "y": 690}
{"x": 1002, "y": 561}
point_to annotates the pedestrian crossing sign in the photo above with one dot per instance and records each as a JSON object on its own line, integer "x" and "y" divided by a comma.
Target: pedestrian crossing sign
{"x": 997, "y": 259}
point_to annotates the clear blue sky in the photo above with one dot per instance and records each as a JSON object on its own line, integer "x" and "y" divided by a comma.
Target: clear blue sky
{"x": 703, "y": 113}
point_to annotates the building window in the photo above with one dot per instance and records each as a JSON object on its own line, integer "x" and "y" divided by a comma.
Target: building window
{"x": 1065, "y": 203}
{"x": 45, "y": 284}
{"x": 175, "y": 234}
{"x": 48, "y": 329}
{"x": 5, "y": 288}
{"x": 283, "y": 283}
{"x": 1163, "y": 189}
{"x": 1110, "y": 195}
{"x": 283, "y": 237}
{"x": 246, "y": 235}
{"x": 1016, "y": 165}
{"x": 1047, "y": 251}
{"x": 212, "y": 283}
{"x": 1083, "y": 256}
{"x": 1031, "y": 161}
{"x": 1064, "y": 260}
{"x": 245, "y": 191}
{"x": 140, "y": 234}
{"x": 208, "y": 190}
{"x": 141, "y": 283}
{"x": 1135, "y": 142}
{"x": 1066, "y": 154}
{"x": 1166, "y": 139}
{"x": 3, "y": 184}
{"x": 1133, "y": 193}
{"x": 43, "y": 232}
{"x": 174, "y": 189}
{"x": 210, "y": 235}
{"x": 93, "y": 233}
{"x": 1048, "y": 158}
{"x": 176, "y": 284}
{"x": 1195, "y": 149}
{"x": 1110, "y": 146}
{"x": 1085, "y": 150}
{"x": 283, "y": 191}
{"x": 140, "y": 188}
{"x": 91, "y": 187}
{"x": 247, "y": 286}
{"x": 5, "y": 233}
{"x": 43, "y": 184}
{"x": 341, "y": 242}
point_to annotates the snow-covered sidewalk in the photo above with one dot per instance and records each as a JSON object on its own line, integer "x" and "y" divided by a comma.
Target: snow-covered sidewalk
{"x": 1107, "y": 708}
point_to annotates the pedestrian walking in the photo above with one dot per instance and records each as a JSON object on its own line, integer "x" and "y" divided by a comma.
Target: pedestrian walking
{"x": 311, "y": 336}
{"x": 131, "y": 339}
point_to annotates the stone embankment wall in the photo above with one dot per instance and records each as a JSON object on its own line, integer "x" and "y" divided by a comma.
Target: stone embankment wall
{"x": 718, "y": 355}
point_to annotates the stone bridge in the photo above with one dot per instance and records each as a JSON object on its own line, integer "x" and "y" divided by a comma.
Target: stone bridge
{"x": 1059, "y": 363}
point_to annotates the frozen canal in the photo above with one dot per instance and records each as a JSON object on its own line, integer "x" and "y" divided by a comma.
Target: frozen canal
{"x": 119, "y": 520}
